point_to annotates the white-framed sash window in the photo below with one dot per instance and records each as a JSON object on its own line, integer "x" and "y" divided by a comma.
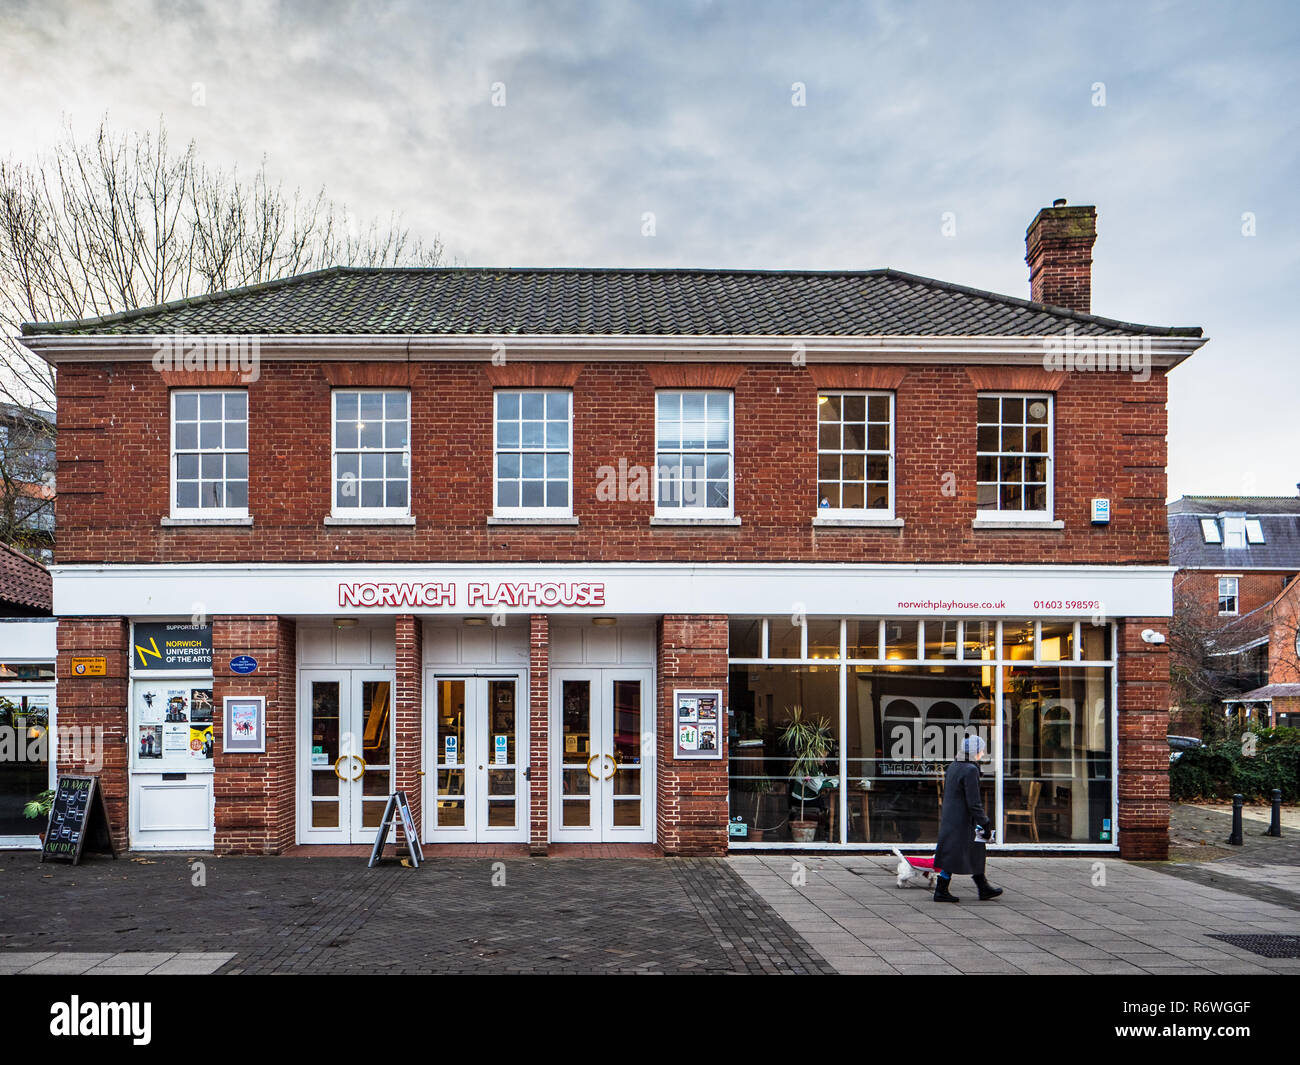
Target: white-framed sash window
{"x": 855, "y": 454}
{"x": 532, "y": 453}
{"x": 694, "y": 457}
{"x": 1014, "y": 465}
{"x": 209, "y": 453}
{"x": 371, "y": 452}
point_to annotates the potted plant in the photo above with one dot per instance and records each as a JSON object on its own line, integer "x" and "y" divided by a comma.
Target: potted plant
{"x": 40, "y": 807}
{"x": 762, "y": 786}
{"x": 809, "y": 744}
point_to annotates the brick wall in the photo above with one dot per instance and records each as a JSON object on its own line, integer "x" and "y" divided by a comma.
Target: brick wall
{"x": 255, "y": 793}
{"x": 539, "y": 730}
{"x": 1110, "y": 437}
{"x": 409, "y": 711}
{"x": 1143, "y": 714}
{"x": 691, "y": 796}
{"x": 96, "y": 706}
{"x": 1198, "y": 592}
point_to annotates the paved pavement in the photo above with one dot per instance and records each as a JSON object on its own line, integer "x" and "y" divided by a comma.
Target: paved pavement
{"x": 453, "y": 915}
{"x": 169, "y": 914}
{"x": 1058, "y": 915}
{"x": 1264, "y": 868}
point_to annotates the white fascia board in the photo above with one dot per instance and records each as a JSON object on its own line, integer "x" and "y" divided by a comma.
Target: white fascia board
{"x": 29, "y": 639}
{"x": 1027, "y": 350}
{"x": 626, "y": 588}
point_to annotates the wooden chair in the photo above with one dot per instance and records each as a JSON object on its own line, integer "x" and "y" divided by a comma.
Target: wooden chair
{"x": 1027, "y": 814}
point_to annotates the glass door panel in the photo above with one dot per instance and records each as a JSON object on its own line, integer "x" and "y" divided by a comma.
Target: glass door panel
{"x": 498, "y": 744}
{"x": 576, "y": 750}
{"x": 375, "y": 707}
{"x": 25, "y": 772}
{"x": 326, "y": 795}
{"x": 449, "y": 752}
{"x": 623, "y": 777}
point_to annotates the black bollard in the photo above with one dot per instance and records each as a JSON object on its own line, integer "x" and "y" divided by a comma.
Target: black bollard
{"x": 1275, "y": 826}
{"x": 1237, "y": 802}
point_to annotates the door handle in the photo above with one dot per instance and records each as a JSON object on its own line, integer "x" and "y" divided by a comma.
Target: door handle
{"x": 589, "y": 761}
{"x": 614, "y": 762}
{"x": 361, "y": 763}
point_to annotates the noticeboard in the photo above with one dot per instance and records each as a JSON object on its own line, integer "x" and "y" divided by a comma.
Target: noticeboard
{"x": 697, "y": 723}
{"x": 78, "y": 821}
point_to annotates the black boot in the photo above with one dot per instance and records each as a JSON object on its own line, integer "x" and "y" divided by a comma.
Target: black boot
{"x": 987, "y": 890}
{"x": 941, "y": 892}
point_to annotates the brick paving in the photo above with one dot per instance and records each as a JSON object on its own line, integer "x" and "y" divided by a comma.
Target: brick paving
{"x": 1264, "y": 868}
{"x": 333, "y": 915}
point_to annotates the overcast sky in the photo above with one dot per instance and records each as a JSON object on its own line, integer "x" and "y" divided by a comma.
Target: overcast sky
{"x": 685, "y": 110}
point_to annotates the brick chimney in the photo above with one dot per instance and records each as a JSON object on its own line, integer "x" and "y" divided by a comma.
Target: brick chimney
{"x": 1058, "y": 249}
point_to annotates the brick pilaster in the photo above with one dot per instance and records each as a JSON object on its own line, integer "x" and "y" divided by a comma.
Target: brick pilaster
{"x": 255, "y": 793}
{"x": 1143, "y": 752}
{"x": 96, "y": 708}
{"x": 409, "y": 752}
{"x": 539, "y": 702}
{"x": 691, "y": 795}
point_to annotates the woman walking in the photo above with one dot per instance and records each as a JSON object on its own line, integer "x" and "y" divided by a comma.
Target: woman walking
{"x": 958, "y": 851}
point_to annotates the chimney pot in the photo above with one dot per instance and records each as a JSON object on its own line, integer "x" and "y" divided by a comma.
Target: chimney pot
{"x": 1058, "y": 250}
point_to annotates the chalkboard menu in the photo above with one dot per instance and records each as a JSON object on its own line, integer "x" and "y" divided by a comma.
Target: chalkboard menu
{"x": 78, "y": 819}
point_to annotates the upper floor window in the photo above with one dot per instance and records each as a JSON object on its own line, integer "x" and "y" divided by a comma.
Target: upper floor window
{"x": 372, "y": 453}
{"x": 533, "y": 458}
{"x": 1227, "y": 595}
{"x": 1014, "y": 457}
{"x": 1210, "y": 531}
{"x": 210, "y": 454}
{"x": 855, "y": 453}
{"x": 1254, "y": 531}
{"x": 693, "y": 454}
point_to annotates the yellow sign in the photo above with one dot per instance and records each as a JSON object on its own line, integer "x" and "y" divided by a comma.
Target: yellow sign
{"x": 89, "y": 667}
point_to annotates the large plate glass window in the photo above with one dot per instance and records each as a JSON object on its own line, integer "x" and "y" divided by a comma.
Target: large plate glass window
{"x": 372, "y": 453}
{"x": 855, "y": 454}
{"x": 210, "y": 454}
{"x": 1014, "y": 457}
{"x": 533, "y": 454}
{"x": 693, "y": 454}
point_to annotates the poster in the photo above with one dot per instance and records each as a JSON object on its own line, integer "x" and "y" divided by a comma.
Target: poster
{"x": 175, "y": 741}
{"x": 149, "y": 741}
{"x": 178, "y": 706}
{"x": 200, "y": 741}
{"x": 171, "y": 645}
{"x": 697, "y": 724}
{"x": 149, "y": 704}
{"x": 201, "y": 705}
{"x": 243, "y": 729}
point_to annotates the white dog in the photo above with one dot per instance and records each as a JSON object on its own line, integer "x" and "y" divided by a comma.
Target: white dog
{"x": 909, "y": 875}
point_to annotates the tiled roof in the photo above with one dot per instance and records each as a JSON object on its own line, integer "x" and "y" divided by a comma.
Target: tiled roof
{"x": 1268, "y": 691}
{"x": 458, "y": 301}
{"x": 1253, "y": 506}
{"x": 1279, "y": 551}
{"x": 24, "y": 582}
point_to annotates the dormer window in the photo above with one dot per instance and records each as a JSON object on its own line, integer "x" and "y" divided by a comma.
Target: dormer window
{"x": 1210, "y": 531}
{"x": 1234, "y": 532}
{"x": 1254, "y": 531}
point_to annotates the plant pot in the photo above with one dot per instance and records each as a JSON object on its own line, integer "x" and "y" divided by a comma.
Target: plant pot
{"x": 803, "y": 831}
{"x": 755, "y": 834}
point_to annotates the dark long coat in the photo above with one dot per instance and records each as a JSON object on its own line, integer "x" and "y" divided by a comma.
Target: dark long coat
{"x": 957, "y": 852}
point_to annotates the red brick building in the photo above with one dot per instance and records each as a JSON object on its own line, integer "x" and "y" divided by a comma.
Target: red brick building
{"x": 1234, "y": 556}
{"x": 563, "y": 553}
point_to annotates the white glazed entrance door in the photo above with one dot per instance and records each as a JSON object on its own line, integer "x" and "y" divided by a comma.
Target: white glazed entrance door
{"x": 602, "y": 775}
{"x": 478, "y": 746}
{"x": 345, "y": 769}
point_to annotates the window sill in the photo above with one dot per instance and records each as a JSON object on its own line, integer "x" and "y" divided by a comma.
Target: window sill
{"x": 687, "y": 522}
{"x": 335, "y": 519}
{"x": 857, "y": 523}
{"x": 1012, "y": 523}
{"x": 180, "y": 523}
{"x": 494, "y": 520}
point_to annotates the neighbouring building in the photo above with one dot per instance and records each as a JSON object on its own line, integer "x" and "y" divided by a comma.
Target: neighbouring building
{"x": 562, "y": 554}
{"x": 27, "y": 479}
{"x": 27, "y": 654}
{"x": 1234, "y": 556}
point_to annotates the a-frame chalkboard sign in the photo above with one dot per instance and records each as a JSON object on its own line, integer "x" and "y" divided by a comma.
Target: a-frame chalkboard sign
{"x": 78, "y": 821}
{"x": 397, "y": 806}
